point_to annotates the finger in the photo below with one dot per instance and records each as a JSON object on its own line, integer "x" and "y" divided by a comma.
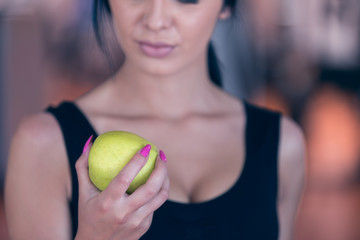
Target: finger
{"x": 151, "y": 188}
{"x": 81, "y": 166}
{"x": 157, "y": 201}
{"x": 122, "y": 181}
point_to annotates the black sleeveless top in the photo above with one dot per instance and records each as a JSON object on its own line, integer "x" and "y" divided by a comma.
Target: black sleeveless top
{"x": 247, "y": 211}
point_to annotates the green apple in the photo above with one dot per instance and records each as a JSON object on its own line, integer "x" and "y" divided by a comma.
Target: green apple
{"x": 111, "y": 151}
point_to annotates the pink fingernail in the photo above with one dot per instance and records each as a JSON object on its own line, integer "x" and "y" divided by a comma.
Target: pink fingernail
{"x": 145, "y": 151}
{"x": 162, "y": 156}
{"x": 86, "y": 146}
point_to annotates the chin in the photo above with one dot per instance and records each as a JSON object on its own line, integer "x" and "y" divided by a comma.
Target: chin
{"x": 160, "y": 68}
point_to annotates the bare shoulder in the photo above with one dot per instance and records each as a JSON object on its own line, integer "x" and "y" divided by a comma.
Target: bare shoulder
{"x": 292, "y": 142}
{"x": 39, "y": 129}
{"x": 37, "y": 178}
{"x": 291, "y": 153}
{"x": 291, "y": 175}
{"x": 37, "y": 145}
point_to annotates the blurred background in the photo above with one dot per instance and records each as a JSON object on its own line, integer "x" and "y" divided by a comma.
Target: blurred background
{"x": 299, "y": 57}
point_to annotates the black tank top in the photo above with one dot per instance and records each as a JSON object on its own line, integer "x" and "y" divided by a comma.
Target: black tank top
{"x": 247, "y": 211}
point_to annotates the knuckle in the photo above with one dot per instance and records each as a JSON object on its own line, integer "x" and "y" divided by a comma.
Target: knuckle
{"x": 123, "y": 181}
{"x": 148, "y": 222}
{"x": 138, "y": 161}
{"x": 105, "y": 206}
{"x": 144, "y": 226}
{"x": 150, "y": 191}
{"x": 134, "y": 205}
{"x": 162, "y": 197}
{"x": 135, "y": 224}
{"x": 77, "y": 165}
{"x": 121, "y": 219}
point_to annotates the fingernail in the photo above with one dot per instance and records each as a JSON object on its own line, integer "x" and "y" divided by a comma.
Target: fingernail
{"x": 162, "y": 156}
{"x": 145, "y": 151}
{"x": 86, "y": 146}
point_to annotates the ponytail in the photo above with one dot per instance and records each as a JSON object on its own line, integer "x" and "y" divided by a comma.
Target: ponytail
{"x": 213, "y": 66}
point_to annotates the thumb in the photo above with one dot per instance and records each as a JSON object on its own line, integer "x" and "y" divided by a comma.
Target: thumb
{"x": 86, "y": 187}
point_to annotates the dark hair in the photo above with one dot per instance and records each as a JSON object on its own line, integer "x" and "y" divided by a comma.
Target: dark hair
{"x": 102, "y": 14}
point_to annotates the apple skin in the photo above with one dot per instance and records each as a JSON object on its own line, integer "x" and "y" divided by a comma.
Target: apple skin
{"x": 111, "y": 151}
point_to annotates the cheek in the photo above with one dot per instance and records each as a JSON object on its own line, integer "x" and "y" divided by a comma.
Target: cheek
{"x": 199, "y": 28}
{"x": 123, "y": 23}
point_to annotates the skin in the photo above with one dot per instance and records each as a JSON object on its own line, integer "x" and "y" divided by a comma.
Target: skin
{"x": 173, "y": 96}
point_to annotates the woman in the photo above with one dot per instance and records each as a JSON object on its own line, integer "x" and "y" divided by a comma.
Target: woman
{"x": 228, "y": 179}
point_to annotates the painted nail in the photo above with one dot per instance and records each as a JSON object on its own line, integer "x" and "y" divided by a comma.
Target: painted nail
{"x": 146, "y": 150}
{"x": 86, "y": 146}
{"x": 162, "y": 156}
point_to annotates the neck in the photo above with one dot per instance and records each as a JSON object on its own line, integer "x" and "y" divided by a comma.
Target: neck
{"x": 169, "y": 96}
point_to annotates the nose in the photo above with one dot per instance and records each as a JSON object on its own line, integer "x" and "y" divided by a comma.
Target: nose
{"x": 156, "y": 16}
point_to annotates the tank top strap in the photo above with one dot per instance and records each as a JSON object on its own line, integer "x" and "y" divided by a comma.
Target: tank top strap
{"x": 262, "y": 143}
{"x": 76, "y": 130}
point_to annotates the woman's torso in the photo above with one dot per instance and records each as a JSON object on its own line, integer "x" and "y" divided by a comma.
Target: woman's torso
{"x": 207, "y": 156}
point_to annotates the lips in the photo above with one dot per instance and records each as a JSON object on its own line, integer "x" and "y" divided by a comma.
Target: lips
{"x": 156, "y": 50}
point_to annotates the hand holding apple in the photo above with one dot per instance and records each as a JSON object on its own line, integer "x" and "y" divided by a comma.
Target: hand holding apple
{"x": 113, "y": 214}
